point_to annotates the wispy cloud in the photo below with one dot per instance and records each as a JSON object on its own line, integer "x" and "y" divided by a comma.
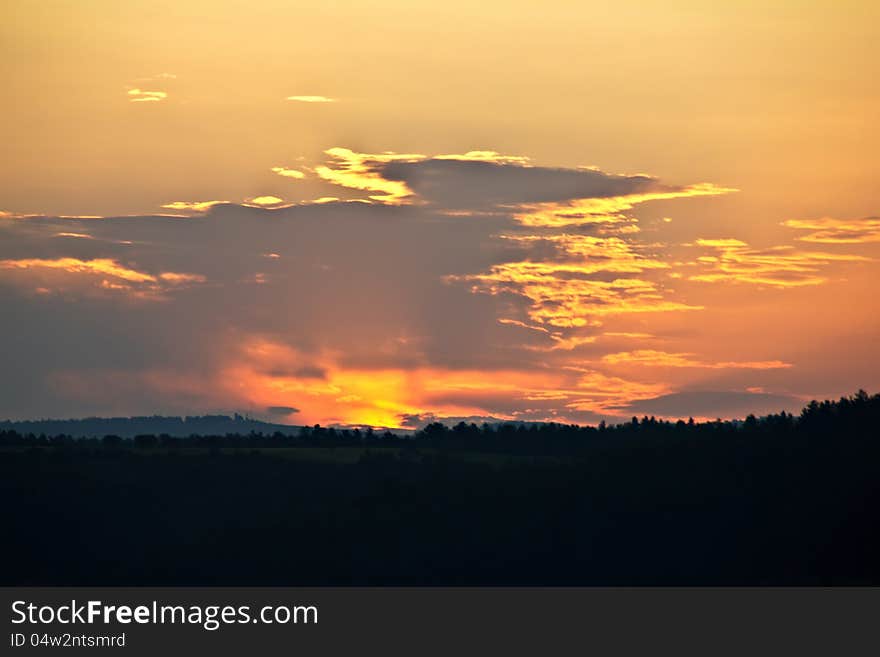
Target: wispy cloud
{"x": 476, "y": 182}
{"x": 486, "y": 156}
{"x": 837, "y": 231}
{"x": 192, "y": 206}
{"x": 776, "y": 266}
{"x": 364, "y": 171}
{"x": 578, "y": 212}
{"x": 265, "y": 201}
{"x": 652, "y": 358}
{"x": 311, "y": 99}
{"x": 144, "y": 96}
{"x": 567, "y": 295}
{"x": 97, "y": 277}
{"x": 463, "y": 306}
{"x": 102, "y": 266}
{"x": 288, "y": 173}
{"x": 81, "y": 236}
{"x": 572, "y": 288}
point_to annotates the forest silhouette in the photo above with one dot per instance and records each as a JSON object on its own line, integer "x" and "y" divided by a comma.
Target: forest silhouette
{"x": 781, "y": 499}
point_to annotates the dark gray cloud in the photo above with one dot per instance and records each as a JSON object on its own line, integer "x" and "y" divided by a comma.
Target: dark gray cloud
{"x": 281, "y": 410}
{"x": 324, "y": 303}
{"x": 706, "y": 403}
{"x": 468, "y": 184}
{"x": 364, "y": 282}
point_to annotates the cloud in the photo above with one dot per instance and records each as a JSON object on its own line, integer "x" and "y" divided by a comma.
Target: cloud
{"x": 311, "y": 99}
{"x": 281, "y": 410}
{"x": 486, "y": 156}
{"x": 837, "y": 231}
{"x": 652, "y": 358}
{"x": 705, "y": 404}
{"x": 486, "y": 180}
{"x": 776, "y": 266}
{"x": 96, "y": 276}
{"x": 425, "y": 292}
{"x": 288, "y": 173}
{"x": 364, "y": 171}
{"x": 143, "y": 96}
{"x": 192, "y": 206}
{"x": 158, "y": 76}
{"x": 580, "y": 283}
{"x": 605, "y": 210}
{"x": 264, "y": 201}
{"x": 101, "y": 266}
{"x": 79, "y": 236}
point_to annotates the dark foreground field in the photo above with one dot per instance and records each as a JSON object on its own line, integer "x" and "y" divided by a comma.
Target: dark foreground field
{"x": 783, "y": 500}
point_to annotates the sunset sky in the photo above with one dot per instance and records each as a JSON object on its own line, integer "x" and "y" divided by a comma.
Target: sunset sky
{"x": 384, "y": 213}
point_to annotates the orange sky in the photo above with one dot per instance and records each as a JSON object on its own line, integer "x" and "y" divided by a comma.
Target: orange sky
{"x": 387, "y": 212}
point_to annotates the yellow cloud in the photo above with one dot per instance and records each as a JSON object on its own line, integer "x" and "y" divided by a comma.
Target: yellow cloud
{"x": 311, "y": 99}
{"x": 142, "y": 96}
{"x": 361, "y": 171}
{"x": 516, "y": 322}
{"x": 722, "y": 243}
{"x": 603, "y": 210}
{"x": 564, "y": 294}
{"x": 177, "y": 278}
{"x": 561, "y": 343}
{"x": 81, "y": 236}
{"x": 837, "y": 231}
{"x": 595, "y": 254}
{"x": 264, "y": 201}
{"x": 778, "y": 266}
{"x": 288, "y": 173}
{"x": 486, "y": 156}
{"x": 560, "y": 295}
{"x": 103, "y": 266}
{"x": 113, "y": 276}
{"x": 601, "y": 393}
{"x": 193, "y": 206}
{"x": 653, "y": 358}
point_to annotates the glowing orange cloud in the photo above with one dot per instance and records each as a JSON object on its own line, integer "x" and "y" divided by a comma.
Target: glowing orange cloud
{"x": 603, "y": 394}
{"x": 262, "y": 373}
{"x": 838, "y": 231}
{"x": 560, "y": 341}
{"x": 561, "y": 297}
{"x": 609, "y": 210}
{"x": 778, "y": 266}
{"x": 595, "y": 254}
{"x": 653, "y": 358}
{"x": 101, "y": 266}
{"x": 565, "y": 294}
{"x": 177, "y": 278}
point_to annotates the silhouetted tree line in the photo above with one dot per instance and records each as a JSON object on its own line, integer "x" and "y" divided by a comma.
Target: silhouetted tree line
{"x": 145, "y": 425}
{"x": 854, "y": 415}
{"x": 781, "y": 499}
